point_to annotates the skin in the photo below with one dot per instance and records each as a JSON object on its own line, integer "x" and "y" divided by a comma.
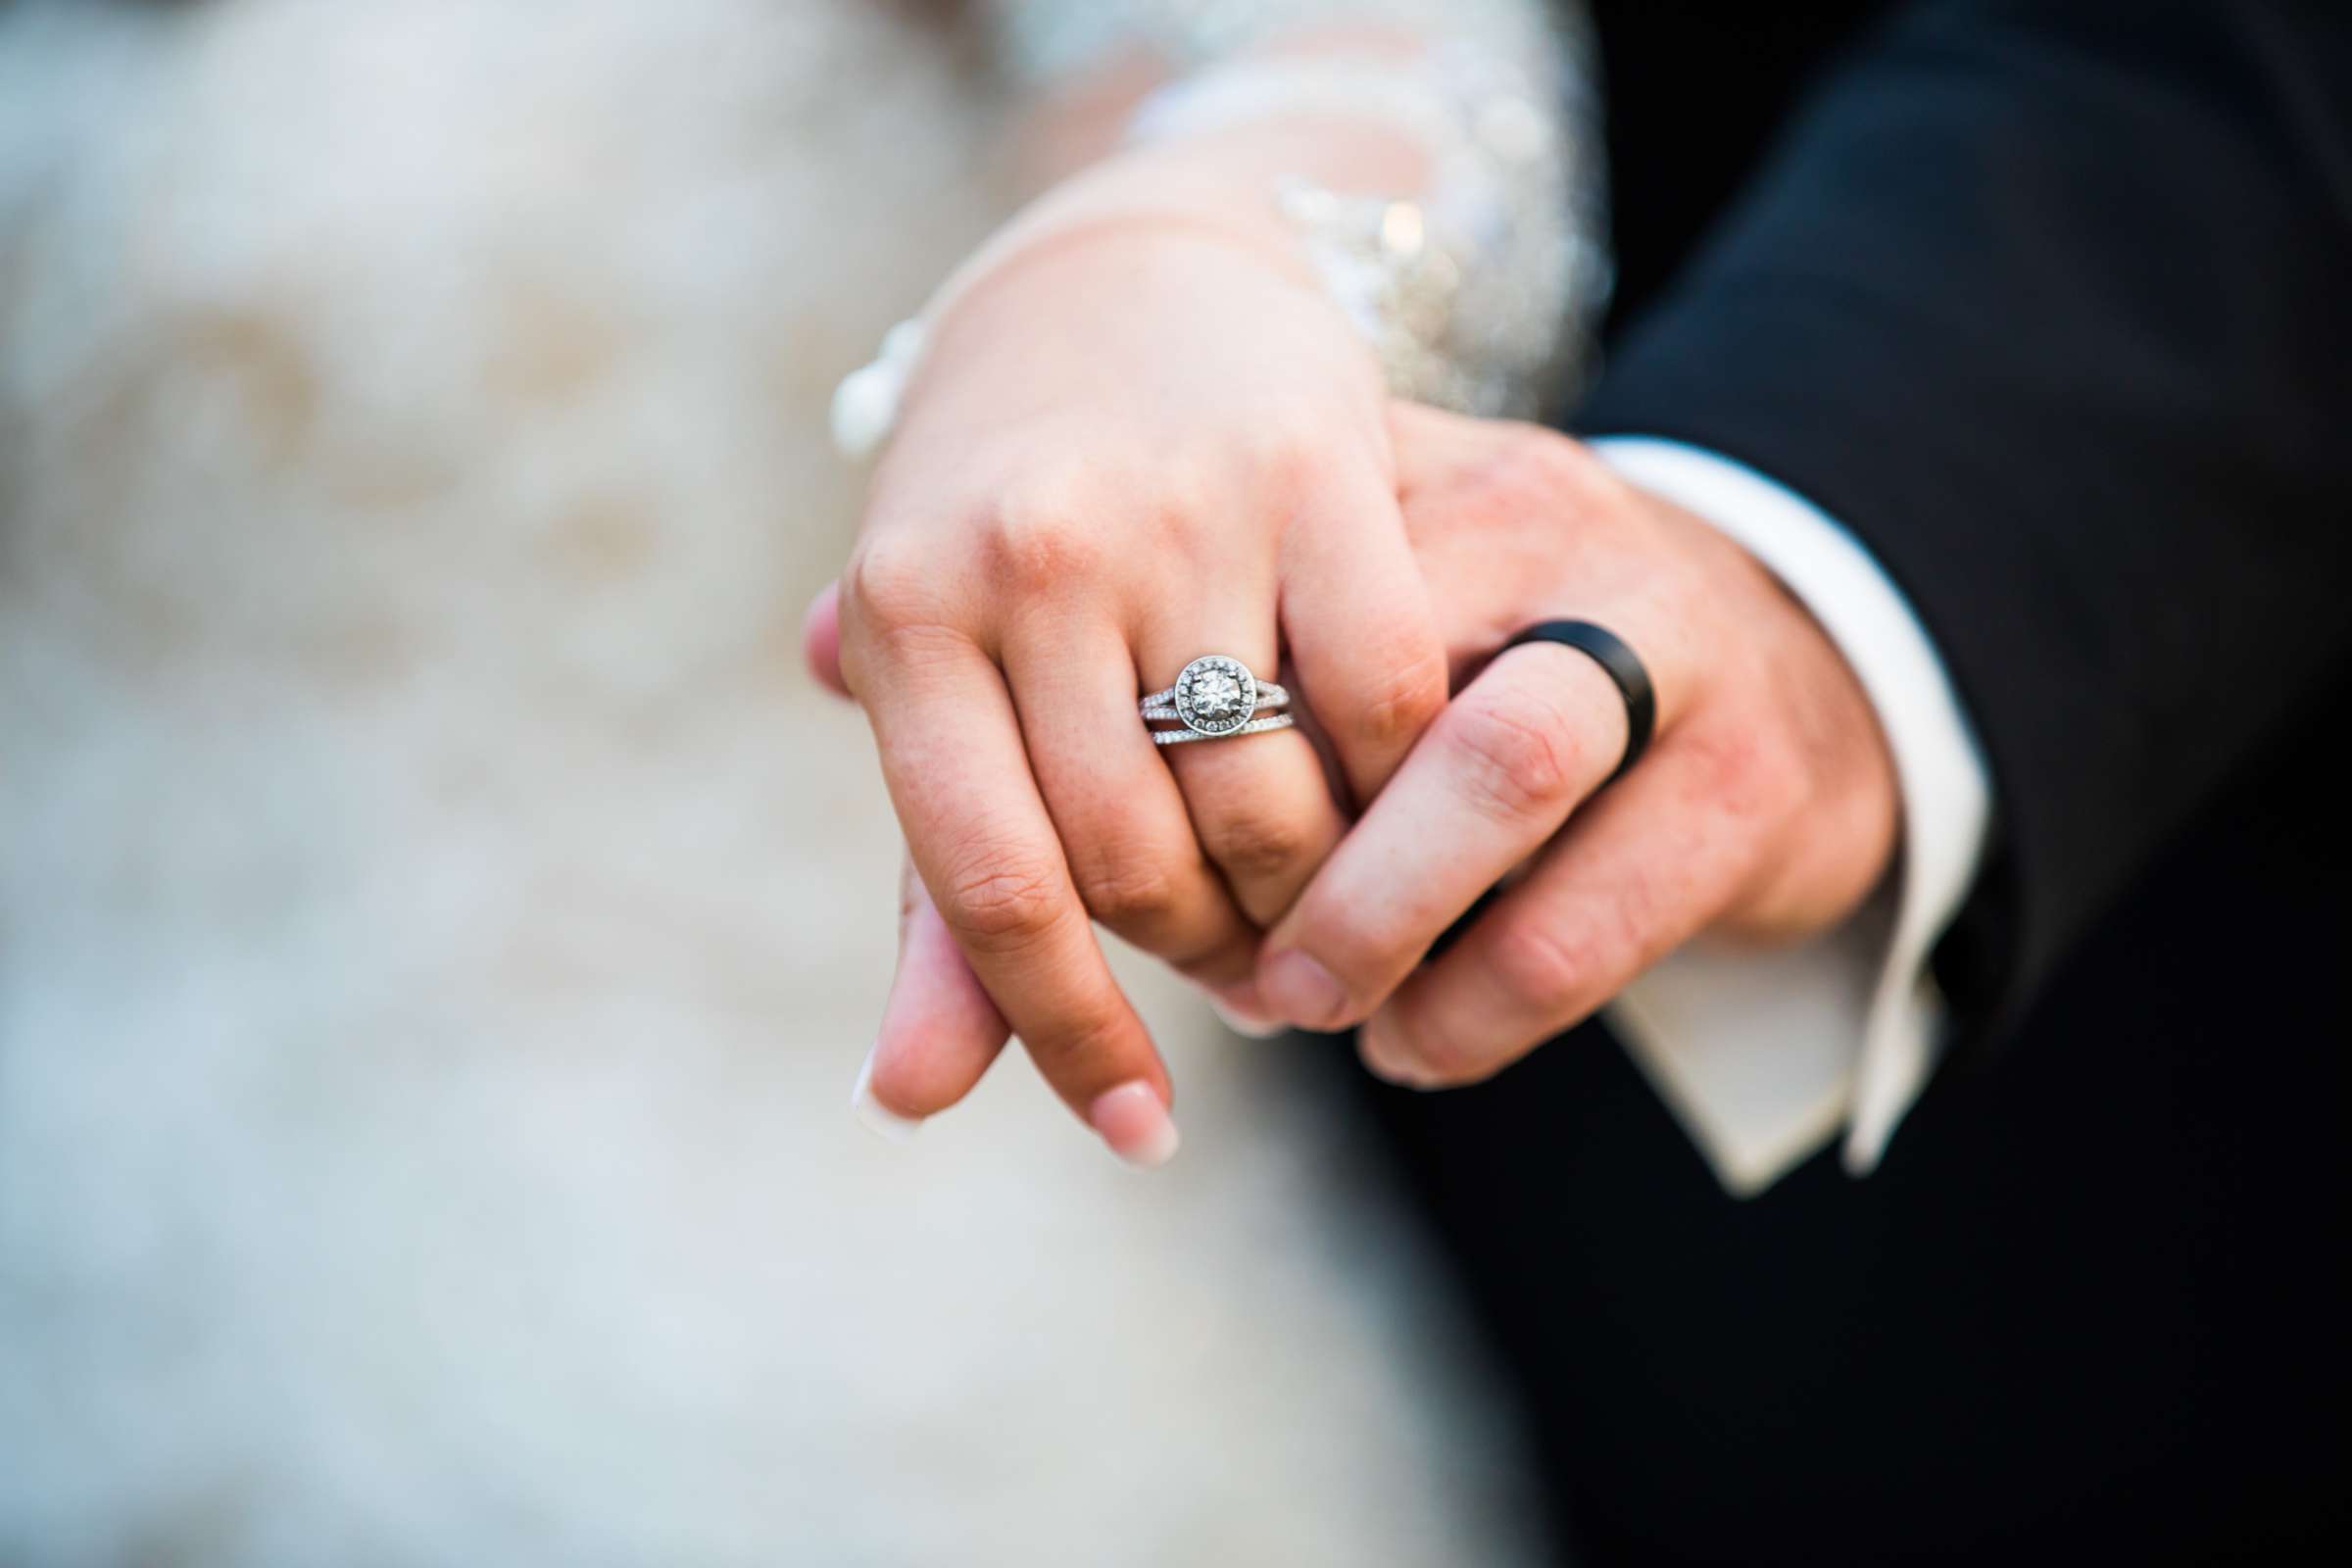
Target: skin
{"x": 1139, "y": 434}
{"x": 1766, "y": 807}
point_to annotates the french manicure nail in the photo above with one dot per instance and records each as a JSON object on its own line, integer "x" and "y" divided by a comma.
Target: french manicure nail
{"x": 1303, "y": 991}
{"x": 1135, "y": 1125}
{"x": 880, "y": 1119}
{"x": 1239, "y": 1009}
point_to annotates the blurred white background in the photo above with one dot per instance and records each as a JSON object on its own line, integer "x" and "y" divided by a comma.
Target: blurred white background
{"x": 439, "y": 923}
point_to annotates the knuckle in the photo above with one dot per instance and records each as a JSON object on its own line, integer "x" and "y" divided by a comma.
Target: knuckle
{"x": 1037, "y": 540}
{"x": 1088, "y": 1052}
{"x": 1002, "y": 901}
{"x": 1370, "y": 943}
{"x": 891, "y": 583}
{"x": 1748, "y": 777}
{"x": 1404, "y": 697}
{"x": 1539, "y": 966}
{"x": 1287, "y": 460}
{"x": 1258, "y": 848}
{"x": 1533, "y": 466}
{"x": 1517, "y": 760}
{"x": 1127, "y": 890}
{"x": 1524, "y": 477}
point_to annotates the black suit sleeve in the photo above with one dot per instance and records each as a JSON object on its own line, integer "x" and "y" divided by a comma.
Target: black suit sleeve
{"x": 2051, "y": 304}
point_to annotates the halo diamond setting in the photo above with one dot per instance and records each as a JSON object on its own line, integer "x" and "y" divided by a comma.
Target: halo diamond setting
{"x": 1215, "y": 695}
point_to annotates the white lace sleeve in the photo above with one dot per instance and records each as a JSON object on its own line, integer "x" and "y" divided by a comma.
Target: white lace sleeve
{"x": 1478, "y": 291}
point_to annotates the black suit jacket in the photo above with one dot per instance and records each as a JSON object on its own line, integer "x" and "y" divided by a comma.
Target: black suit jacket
{"x": 2051, "y": 305}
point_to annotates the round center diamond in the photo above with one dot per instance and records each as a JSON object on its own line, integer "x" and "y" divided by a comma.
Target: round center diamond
{"x": 1217, "y": 695}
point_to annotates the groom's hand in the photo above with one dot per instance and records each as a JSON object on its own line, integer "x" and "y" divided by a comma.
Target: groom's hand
{"x": 1765, "y": 806}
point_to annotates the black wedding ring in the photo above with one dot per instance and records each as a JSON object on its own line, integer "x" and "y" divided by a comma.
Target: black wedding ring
{"x": 1607, "y": 649}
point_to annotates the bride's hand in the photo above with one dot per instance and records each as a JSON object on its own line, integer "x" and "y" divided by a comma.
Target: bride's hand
{"x": 1131, "y": 443}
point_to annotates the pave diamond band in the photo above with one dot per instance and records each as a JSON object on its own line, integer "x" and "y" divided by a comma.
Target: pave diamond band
{"x": 1256, "y": 726}
{"x": 1215, "y": 697}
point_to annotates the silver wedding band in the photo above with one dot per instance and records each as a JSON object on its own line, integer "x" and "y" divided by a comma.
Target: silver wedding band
{"x": 1215, "y": 698}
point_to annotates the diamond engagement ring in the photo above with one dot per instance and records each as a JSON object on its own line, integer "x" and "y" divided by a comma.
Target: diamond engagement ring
{"x": 1217, "y": 696}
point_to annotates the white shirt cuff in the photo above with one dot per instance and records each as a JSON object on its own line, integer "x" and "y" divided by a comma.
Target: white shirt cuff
{"x": 1765, "y": 1056}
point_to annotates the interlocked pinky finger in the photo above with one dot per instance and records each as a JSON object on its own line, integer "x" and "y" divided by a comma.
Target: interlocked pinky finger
{"x": 940, "y": 1032}
{"x": 1648, "y": 864}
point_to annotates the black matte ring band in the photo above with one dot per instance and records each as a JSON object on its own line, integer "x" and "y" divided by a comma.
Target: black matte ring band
{"x": 1607, "y": 649}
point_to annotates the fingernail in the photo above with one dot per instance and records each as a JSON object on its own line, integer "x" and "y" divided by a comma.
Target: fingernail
{"x": 1303, "y": 991}
{"x": 1385, "y": 1057}
{"x": 880, "y": 1119}
{"x": 1135, "y": 1125}
{"x": 1239, "y": 1009}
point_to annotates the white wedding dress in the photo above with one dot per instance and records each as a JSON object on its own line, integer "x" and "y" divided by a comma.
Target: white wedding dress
{"x": 439, "y": 923}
